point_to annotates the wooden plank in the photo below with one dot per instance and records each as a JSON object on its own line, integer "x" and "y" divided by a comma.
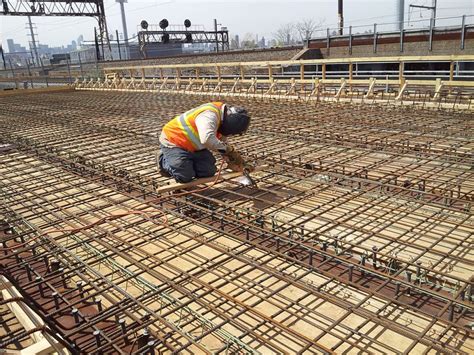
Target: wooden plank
{"x": 459, "y": 83}
{"x": 295, "y": 97}
{"x": 42, "y": 347}
{"x": 202, "y": 181}
{"x": 310, "y": 81}
{"x": 343, "y": 85}
{"x": 370, "y": 91}
{"x": 16, "y": 308}
{"x": 305, "y": 81}
{"x": 5, "y": 285}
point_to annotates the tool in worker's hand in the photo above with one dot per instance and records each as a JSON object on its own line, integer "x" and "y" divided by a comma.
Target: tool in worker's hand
{"x": 236, "y": 163}
{"x": 247, "y": 179}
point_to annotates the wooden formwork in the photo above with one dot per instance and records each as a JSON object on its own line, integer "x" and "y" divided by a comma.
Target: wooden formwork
{"x": 270, "y": 79}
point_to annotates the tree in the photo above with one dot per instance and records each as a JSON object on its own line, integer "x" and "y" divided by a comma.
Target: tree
{"x": 285, "y": 34}
{"x": 248, "y": 42}
{"x": 307, "y": 27}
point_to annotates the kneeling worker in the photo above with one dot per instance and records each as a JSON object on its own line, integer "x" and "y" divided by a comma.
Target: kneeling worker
{"x": 187, "y": 140}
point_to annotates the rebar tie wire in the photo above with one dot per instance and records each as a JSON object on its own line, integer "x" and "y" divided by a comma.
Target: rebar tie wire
{"x": 136, "y": 212}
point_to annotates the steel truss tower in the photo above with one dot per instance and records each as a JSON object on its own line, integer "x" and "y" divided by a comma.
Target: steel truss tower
{"x": 90, "y": 8}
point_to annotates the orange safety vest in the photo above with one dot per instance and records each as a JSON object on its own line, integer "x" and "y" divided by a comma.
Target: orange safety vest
{"x": 182, "y": 130}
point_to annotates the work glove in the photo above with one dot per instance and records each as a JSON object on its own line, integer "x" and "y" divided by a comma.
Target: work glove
{"x": 233, "y": 158}
{"x": 249, "y": 167}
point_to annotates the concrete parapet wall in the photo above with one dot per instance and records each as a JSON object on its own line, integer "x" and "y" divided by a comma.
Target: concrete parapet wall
{"x": 414, "y": 43}
{"x": 393, "y": 49}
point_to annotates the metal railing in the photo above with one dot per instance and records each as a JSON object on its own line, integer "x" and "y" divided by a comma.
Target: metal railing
{"x": 442, "y": 23}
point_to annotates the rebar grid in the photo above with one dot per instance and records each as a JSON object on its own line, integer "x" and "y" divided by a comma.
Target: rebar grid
{"x": 358, "y": 237}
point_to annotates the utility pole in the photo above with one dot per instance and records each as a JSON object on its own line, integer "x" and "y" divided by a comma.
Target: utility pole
{"x": 3, "y": 57}
{"x": 118, "y": 44}
{"x": 33, "y": 41}
{"x": 96, "y": 42}
{"x": 124, "y": 25}
{"x": 340, "y": 15}
{"x": 432, "y": 8}
{"x": 401, "y": 14}
{"x": 217, "y": 39}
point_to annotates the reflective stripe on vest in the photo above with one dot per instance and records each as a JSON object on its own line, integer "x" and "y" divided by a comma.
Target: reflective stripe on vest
{"x": 182, "y": 130}
{"x": 189, "y": 131}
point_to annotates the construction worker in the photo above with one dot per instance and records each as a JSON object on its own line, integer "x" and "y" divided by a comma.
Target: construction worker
{"x": 187, "y": 140}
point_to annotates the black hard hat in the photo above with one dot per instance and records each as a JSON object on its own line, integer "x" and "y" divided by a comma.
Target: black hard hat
{"x": 234, "y": 123}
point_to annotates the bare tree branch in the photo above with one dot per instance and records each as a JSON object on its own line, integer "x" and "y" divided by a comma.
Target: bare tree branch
{"x": 248, "y": 41}
{"x": 285, "y": 34}
{"x": 307, "y": 27}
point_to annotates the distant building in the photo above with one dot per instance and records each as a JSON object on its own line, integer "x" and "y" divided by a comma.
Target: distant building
{"x": 19, "y": 48}
{"x": 43, "y": 49}
{"x": 235, "y": 42}
{"x": 15, "y": 47}
{"x": 11, "y": 46}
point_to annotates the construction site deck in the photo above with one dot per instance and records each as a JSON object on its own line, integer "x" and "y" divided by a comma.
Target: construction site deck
{"x": 357, "y": 239}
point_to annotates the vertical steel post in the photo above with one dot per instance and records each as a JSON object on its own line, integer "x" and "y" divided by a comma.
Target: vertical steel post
{"x": 401, "y": 14}
{"x": 350, "y": 39}
{"x": 402, "y": 33}
{"x": 431, "y": 34}
{"x": 124, "y": 25}
{"x": 340, "y": 16}
{"x": 463, "y": 31}
{"x": 215, "y": 32}
{"x": 96, "y": 67}
{"x": 44, "y": 73}
{"x": 118, "y": 44}
{"x": 3, "y": 58}
{"x": 375, "y": 38}
{"x": 69, "y": 71}
{"x": 328, "y": 40}
{"x": 29, "y": 73}
{"x": 80, "y": 64}
{"x": 11, "y": 67}
{"x": 33, "y": 40}
{"x": 96, "y": 42}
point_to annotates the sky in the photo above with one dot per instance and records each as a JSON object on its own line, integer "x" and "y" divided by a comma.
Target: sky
{"x": 262, "y": 17}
